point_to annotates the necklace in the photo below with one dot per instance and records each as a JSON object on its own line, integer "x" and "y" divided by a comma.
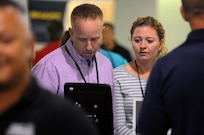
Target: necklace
{"x": 139, "y": 78}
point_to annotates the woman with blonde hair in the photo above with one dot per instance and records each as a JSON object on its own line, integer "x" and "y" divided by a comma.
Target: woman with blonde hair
{"x": 148, "y": 42}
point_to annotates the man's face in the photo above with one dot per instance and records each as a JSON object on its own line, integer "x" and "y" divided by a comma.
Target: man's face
{"x": 86, "y": 35}
{"x": 15, "y": 47}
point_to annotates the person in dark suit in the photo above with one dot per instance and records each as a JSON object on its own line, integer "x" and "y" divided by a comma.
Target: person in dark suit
{"x": 175, "y": 89}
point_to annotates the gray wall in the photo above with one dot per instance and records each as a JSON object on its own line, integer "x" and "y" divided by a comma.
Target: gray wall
{"x": 126, "y": 11}
{"x": 166, "y": 11}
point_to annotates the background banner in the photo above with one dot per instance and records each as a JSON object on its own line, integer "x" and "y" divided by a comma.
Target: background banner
{"x": 42, "y": 11}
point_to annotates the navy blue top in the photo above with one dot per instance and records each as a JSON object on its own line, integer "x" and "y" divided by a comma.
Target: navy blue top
{"x": 38, "y": 112}
{"x": 175, "y": 91}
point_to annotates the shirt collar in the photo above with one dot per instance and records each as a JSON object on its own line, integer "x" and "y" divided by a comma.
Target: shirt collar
{"x": 195, "y": 35}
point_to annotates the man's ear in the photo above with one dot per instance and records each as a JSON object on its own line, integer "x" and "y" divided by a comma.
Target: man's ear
{"x": 71, "y": 33}
{"x": 183, "y": 14}
{"x": 103, "y": 29}
{"x": 30, "y": 49}
{"x": 31, "y": 43}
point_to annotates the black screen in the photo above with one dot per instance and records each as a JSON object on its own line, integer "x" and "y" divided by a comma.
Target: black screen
{"x": 95, "y": 100}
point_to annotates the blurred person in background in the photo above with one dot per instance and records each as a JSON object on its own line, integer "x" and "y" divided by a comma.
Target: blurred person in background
{"x": 54, "y": 31}
{"x": 109, "y": 43}
{"x": 115, "y": 58}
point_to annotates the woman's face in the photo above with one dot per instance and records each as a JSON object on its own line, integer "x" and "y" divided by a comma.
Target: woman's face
{"x": 145, "y": 43}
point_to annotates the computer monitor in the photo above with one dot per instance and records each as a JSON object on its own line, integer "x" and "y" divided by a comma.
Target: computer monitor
{"x": 96, "y": 102}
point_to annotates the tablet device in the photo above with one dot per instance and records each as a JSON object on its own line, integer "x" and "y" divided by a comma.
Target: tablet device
{"x": 95, "y": 100}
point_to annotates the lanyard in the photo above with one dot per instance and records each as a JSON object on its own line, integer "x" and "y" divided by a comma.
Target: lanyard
{"x": 80, "y": 69}
{"x": 139, "y": 78}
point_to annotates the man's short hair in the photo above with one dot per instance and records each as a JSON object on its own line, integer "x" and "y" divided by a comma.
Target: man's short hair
{"x": 193, "y": 7}
{"x": 23, "y": 16}
{"x": 13, "y": 4}
{"x": 85, "y": 11}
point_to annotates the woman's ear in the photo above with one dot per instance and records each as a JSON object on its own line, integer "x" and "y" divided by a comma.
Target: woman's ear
{"x": 161, "y": 45}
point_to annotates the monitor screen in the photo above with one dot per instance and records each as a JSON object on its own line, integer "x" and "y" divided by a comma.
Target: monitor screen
{"x": 95, "y": 100}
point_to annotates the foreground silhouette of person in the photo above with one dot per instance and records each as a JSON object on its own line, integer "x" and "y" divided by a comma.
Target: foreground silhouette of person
{"x": 175, "y": 89}
{"x": 26, "y": 108}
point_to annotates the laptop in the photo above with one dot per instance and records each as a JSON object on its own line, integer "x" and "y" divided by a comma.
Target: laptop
{"x": 95, "y": 100}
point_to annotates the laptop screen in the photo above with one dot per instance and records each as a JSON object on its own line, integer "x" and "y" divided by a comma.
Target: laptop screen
{"x": 95, "y": 100}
